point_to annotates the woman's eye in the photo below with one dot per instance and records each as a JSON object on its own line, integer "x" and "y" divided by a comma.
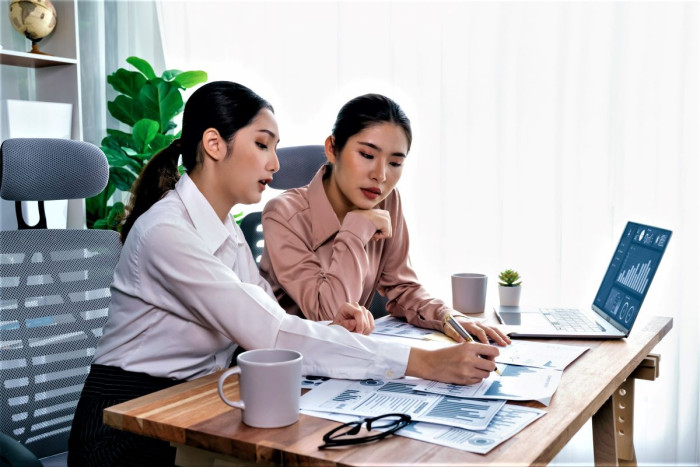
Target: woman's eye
{"x": 366, "y": 156}
{"x": 395, "y": 164}
{"x": 261, "y": 145}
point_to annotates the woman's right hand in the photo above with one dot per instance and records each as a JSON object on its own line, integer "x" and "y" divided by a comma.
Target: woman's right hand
{"x": 466, "y": 363}
{"x": 381, "y": 220}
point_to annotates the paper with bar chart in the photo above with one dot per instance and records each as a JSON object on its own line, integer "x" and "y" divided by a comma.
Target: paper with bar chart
{"x": 507, "y": 422}
{"x": 374, "y": 397}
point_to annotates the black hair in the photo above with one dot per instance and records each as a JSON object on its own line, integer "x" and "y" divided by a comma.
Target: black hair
{"x": 365, "y": 111}
{"x": 222, "y": 105}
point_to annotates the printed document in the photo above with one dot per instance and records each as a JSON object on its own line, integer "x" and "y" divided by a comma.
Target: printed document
{"x": 374, "y": 397}
{"x": 507, "y": 422}
{"x": 539, "y": 354}
{"x": 518, "y": 383}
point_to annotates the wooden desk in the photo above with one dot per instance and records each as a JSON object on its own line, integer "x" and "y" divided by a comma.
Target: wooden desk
{"x": 192, "y": 417}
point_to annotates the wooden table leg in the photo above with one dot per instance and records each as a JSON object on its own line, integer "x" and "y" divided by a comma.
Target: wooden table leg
{"x": 604, "y": 441}
{"x": 623, "y": 408}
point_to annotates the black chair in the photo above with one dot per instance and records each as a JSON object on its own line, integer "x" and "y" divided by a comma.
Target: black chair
{"x": 298, "y": 165}
{"x": 54, "y": 296}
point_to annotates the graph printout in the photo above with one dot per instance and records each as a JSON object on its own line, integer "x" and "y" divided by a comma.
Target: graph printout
{"x": 518, "y": 383}
{"x": 374, "y": 397}
{"x": 539, "y": 354}
{"x": 507, "y": 422}
{"x": 391, "y": 326}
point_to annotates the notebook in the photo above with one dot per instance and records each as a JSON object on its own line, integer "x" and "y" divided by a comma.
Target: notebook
{"x": 617, "y": 302}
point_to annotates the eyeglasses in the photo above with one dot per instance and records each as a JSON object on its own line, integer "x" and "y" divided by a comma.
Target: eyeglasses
{"x": 388, "y": 424}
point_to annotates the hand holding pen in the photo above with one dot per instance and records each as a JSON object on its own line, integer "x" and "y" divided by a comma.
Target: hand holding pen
{"x": 454, "y": 324}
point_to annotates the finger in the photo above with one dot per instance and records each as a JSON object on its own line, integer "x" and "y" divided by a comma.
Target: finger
{"x": 370, "y": 318}
{"x": 476, "y": 330}
{"x": 485, "y": 350}
{"x": 485, "y": 365}
{"x": 498, "y": 336}
{"x": 451, "y": 333}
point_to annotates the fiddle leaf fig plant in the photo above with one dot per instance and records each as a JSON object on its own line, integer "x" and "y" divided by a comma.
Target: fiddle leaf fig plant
{"x": 509, "y": 278}
{"x": 148, "y": 104}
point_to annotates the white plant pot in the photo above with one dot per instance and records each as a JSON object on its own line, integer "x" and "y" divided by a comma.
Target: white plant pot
{"x": 509, "y": 296}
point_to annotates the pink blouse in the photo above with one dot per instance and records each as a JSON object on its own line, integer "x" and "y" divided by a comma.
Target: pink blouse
{"x": 315, "y": 264}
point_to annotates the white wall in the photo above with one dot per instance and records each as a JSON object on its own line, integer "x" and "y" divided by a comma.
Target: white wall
{"x": 539, "y": 130}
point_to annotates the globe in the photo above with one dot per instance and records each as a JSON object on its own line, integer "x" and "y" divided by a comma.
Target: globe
{"x": 35, "y": 19}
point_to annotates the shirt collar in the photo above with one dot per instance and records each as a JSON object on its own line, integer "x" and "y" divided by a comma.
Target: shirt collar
{"x": 325, "y": 222}
{"x": 204, "y": 219}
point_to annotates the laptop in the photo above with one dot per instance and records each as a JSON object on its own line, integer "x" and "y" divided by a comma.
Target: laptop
{"x": 617, "y": 302}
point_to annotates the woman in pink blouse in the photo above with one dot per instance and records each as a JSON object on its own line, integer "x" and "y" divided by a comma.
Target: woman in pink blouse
{"x": 343, "y": 236}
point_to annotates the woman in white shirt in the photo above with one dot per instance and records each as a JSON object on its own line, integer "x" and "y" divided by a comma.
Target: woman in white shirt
{"x": 187, "y": 291}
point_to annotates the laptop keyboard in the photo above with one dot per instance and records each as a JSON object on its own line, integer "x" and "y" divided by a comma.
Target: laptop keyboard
{"x": 570, "y": 320}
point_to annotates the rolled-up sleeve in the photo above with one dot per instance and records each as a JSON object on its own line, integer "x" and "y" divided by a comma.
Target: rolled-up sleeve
{"x": 318, "y": 290}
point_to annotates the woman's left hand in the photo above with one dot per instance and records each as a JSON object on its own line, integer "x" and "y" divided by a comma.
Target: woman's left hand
{"x": 482, "y": 332}
{"x": 354, "y": 318}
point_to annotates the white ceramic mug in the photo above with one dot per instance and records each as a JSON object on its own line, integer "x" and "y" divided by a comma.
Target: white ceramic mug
{"x": 270, "y": 387}
{"x": 469, "y": 292}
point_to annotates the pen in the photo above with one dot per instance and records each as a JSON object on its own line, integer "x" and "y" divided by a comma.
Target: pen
{"x": 462, "y": 332}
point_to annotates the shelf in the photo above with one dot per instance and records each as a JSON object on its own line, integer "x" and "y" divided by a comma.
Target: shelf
{"x": 29, "y": 60}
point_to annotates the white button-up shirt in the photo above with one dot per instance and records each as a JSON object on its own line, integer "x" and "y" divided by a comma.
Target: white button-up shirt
{"x": 186, "y": 290}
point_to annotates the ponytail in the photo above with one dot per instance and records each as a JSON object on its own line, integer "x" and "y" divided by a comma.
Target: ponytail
{"x": 157, "y": 178}
{"x": 222, "y": 105}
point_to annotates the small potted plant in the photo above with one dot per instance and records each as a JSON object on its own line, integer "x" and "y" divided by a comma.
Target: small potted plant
{"x": 509, "y": 288}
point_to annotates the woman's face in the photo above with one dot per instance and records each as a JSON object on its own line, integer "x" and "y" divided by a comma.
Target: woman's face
{"x": 253, "y": 159}
{"x": 367, "y": 168}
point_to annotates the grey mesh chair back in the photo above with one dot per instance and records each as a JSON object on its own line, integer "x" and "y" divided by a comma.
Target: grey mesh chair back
{"x": 298, "y": 165}
{"x": 54, "y": 292}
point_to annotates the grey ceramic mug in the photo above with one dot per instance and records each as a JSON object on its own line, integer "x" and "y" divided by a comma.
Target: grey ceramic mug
{"x": 469, "y": 292}
{"x": 270, "y": 387}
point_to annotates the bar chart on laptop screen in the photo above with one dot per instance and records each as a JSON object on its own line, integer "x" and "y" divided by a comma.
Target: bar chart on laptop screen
{"x": 631, "y": 270}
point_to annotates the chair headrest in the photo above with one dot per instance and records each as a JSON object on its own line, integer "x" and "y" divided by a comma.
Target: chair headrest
{"x": 298, "y": 165}
{"x": 42, "y": 169}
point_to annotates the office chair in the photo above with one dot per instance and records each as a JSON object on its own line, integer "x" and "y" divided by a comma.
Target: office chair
{"x": 298, "y": 165}
{"x": 54, "y": 296}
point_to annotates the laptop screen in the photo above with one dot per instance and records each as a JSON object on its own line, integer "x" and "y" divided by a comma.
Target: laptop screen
{"x": 631, "y": 270}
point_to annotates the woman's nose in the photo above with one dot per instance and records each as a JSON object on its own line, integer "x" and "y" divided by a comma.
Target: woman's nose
{"x": 378, "y": 172}
{"x": 274, "y": 163}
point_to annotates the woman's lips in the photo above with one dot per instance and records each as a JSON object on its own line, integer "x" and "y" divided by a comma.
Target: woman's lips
{"x": 371, "y": 193}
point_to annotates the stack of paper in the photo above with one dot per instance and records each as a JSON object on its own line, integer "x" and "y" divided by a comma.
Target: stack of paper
{"x": 472, "y": 418}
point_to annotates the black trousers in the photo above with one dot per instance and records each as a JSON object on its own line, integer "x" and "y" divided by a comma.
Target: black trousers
{"x": 92, "y": 443}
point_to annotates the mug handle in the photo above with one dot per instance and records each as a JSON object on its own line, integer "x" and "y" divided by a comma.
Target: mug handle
{"x": 222, "y": 378}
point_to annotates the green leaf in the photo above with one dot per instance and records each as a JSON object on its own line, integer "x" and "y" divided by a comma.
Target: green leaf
{"x": 161, "y": 142}
{"x": 124, "y": 140}
{"x": 161, "y": 103}
{"x": 188, "y": 79}
{"x": 143, "y": 66}
{"x": 144, "y": 132}
{"x": 115, "y": 215}
{"x": 121, "y": 177}
{"x": 126, "y": 110}
{"x": 101, "y": 224}
{"x": 169, "y": 75}
{"x": 117, "y": 158}
{"x": 127, "y": 82}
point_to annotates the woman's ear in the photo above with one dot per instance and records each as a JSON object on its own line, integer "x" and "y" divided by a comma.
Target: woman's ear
{"x": 213, "y": 144}
{"x": 330, "y": 149}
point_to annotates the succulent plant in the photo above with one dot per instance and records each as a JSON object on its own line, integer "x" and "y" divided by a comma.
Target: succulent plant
{"x": 509, "y": 278}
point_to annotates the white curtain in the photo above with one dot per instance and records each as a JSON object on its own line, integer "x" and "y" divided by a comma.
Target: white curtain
{"x": 110, "y": 32}
{"x": 540, "y": 129}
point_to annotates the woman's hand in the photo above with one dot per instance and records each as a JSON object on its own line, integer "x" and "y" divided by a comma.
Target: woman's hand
{"x": 354, "y": 318}
{"x": 466, "y": 363}
{"x": 481, "y": 332}
{"x": 381, "y": 220}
